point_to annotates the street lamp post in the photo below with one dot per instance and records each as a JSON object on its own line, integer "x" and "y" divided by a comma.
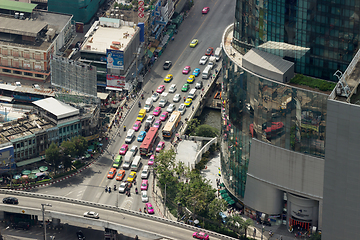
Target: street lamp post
{"x": 165, "y": 202}
{"x": 43, "y": 214}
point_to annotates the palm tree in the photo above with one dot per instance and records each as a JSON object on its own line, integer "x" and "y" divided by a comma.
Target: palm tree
{"x": 236, "y": 222}
{"x": 248, "y": 222}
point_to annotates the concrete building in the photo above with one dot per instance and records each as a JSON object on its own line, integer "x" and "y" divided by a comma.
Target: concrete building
{"x": 29, "y": 37}
{"x": 115, "y": 40}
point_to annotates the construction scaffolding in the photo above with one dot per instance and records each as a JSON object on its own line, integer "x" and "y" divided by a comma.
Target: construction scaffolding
{"x": 73, "y": 76}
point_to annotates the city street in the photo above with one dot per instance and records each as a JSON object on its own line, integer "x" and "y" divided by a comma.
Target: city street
{"x": 208, "y": 29}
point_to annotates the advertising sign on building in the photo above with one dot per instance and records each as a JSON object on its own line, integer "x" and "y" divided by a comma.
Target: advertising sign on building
{"x": 141, "y": 8}
{"x": 79, "y": 27}
{"x": 115, "y": 59}
{"x": 113, "y": 81}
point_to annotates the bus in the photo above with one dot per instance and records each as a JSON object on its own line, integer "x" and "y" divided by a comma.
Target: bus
{"x": 171, "y": 124}
{"x": 149, "y": 141}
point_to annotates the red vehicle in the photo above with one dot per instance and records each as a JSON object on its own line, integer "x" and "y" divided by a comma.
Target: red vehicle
{"x": 209, "y": 51}
{"x": 205, "y": 10}
{"x": 137, "y": 125}
{"x": 164, "y": 116}
{"x": 149, "y": 141}
{"x": 186, "y": 70}
{"x": 123, "y": 149}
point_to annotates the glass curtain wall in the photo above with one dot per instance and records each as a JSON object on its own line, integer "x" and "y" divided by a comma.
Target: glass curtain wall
{"x": 276, "y": 113}
{"x": 328, "y": 30}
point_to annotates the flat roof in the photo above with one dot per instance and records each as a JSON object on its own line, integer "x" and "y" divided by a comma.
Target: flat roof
{"x": 103, "y": 38}
{"x": 21, "y": 27}
{"x": 25, "y": 89}
{"x": 17, "y": 6}
{"x": 57, "y": 108}
{"x": 102, "y": 96}
{"x": 267, "y": 61}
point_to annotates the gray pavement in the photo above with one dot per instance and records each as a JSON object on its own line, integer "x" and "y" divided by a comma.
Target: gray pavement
{"x": 186, "y": 152}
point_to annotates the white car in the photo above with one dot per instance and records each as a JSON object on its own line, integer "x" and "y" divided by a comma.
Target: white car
{"x": 211, "y": 64}
{"x": 172, "y": 88}
{"x": 155, "y": 96}
{"x": 177, "y": 97}
{"x": 134, "y": 150}
{"x": 91, "y": 214}
{"x": 150, "y": 119}
{"x": 122, "y": 187}
{"x": 170, "y": 108}
{"x": 144, "y": 196}
{"x": 182, "y": 108}
{"x": 203, "y": 60}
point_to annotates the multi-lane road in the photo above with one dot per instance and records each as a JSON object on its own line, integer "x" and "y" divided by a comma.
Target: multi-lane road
{"x": 208, "y": 29}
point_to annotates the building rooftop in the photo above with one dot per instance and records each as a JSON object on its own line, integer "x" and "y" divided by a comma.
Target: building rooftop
{"x": 17, "y": 6}
{"x": 22, "y": 128}
{"x": 30, "y": 90}
{"x": 238, "y": 57}
{"x": 347, "y": 87}
{"x": 103, "y": 38}
{"x": 34, "y": 28}
{"x": 57, "y": 108}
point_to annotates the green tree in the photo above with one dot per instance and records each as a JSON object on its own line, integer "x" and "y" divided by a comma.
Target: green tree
{"x": 52, "y": 155}
{"x": 236, "y": 222}
{"x": 248, "y": 222}
{"x": 67, "y": 148}
{"x": 215, "y": 207}
{"x": 191, "y": 126}
{"x": 206, "y": 131}
{"x": 81, "y": 145}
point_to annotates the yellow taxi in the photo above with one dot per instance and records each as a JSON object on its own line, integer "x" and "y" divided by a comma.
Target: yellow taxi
{"x": 141, "y": 116}
{"x": 168, "y": 78}
{"x": 194, "y": 42}
{"x": 188, "y": 102}
{"x": 191, "y": 79}
{"x": 131, "y": 177}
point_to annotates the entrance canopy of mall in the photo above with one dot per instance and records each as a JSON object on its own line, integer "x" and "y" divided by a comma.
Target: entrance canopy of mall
{"x": 30, "y": 161}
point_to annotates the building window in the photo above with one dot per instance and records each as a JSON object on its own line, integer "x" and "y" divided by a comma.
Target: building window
{"x": 22, "y": 144}
{"x": 30, "y": 151}
{"x": 39, "y": 75}
{"x": 72, "y": 128}
{"x": 17, "y": 72}
{"x": 6, "y": 70}
{"x": 60, "y": 130}
{"x": 28, "y": 74}
{"x": 18, "y": 145}
{"x": 29, "y": 142}
{"x": 68, "y": 129}
{"x": 33, "y": 141}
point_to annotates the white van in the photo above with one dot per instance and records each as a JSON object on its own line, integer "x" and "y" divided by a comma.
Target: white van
{"x": 192, "y": 93}
{"x": 145, "y": 172}
{"x": 130, "y": 136}
{"x": 218, "y": 53}
{"x": 128, "y": 160}
{"x": 206, "y": 73}
{"x": 136, "y": 163}
{"x": 148, "y": 104}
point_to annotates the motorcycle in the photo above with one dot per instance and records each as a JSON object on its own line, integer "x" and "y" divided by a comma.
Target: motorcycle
{"x": 114, "y": 187}
{"x": 109, "y": 190}
{"x": 124, "y": 129}
{"x": 139, "y": 104}
{"x": 106, "y": 189}
{"x": 142, "y": 96}
{"x": 136, "y": 191}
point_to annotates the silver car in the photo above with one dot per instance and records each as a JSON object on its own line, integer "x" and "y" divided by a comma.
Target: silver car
{"x": 170, "y": 108}
{"x": 155, "y": 96}
{"x": 122, "y": 187}
{"x": 172, "y": 88}
{"x": 177, "y": 97}
{"x": 91, "y": 214}
{"x": 182, "y": 108}
{"x": 150, "y": 119}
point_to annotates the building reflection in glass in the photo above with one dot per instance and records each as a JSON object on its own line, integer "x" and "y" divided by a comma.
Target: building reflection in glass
{"x": 285, "y": 116}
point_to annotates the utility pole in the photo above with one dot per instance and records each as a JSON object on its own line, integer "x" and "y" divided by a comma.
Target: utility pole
{"x": 43, "y": 214}
{"x": 165, "y": 202}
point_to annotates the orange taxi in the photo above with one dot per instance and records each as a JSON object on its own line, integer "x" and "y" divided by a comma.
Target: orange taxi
{"x": 111, "y": 173}
{"x": 120, "y": 175}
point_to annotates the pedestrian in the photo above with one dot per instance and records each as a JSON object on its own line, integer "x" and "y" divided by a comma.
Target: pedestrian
{"x": 121, "y": 113}
{"x": 144, "y": 209}
{"x": 152, "y": 91}
{"x": 192, "y": 108}
{"x": 184, "y": 99}
{"x": 201, "y": 95}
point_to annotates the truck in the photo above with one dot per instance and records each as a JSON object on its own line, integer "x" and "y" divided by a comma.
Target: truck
{"x": 212, "y": 61}
{"x": 148, "y": 104}
{"x": 218, "y": 53}
{"x": 206, "y": 73}
{"x": 163, "y": 99}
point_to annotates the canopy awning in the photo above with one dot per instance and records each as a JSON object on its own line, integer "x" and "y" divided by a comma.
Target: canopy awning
{"x": 30, "y": 161}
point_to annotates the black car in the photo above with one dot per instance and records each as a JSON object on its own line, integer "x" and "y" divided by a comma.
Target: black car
{"x": 167, "y": 65}
{"x": 21, "y": 225}
{"x": 10, "y": 200}
{"x": 80, "y": 235}
{"x": 147, "y": 126}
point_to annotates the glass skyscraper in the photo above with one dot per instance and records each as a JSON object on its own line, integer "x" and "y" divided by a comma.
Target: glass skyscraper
{"x": 319, "y": 36}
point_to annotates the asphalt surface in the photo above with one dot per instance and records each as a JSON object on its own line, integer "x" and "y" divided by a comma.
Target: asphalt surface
{"x": 208, "y": 29}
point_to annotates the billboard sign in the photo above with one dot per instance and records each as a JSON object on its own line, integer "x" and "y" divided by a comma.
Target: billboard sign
{"x": 115, "y": 81}
{"x": 115, "y": 59}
